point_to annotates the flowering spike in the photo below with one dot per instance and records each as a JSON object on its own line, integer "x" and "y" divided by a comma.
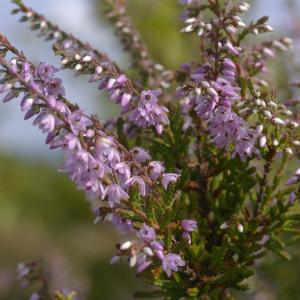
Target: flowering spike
{"x": 84, "y": 59}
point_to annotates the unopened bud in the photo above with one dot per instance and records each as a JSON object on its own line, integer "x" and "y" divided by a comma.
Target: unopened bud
{"x": 288, "y": 112}
{"x": 272, "y": 104}
{"x": 78, "y": 67}
{"x": 235, "y": 257}
{"x": 133, "y": 261}
{"x": 190, "y": 20}
{"x": 289, "y": 150}
{"x": 208, "y": 26}
{"x": 240, "y": 228}
{"x": 148, "y": 251}
{"x": 212, "y": 91}
{"x": 189, "y": 28}
{"x": 241, "y": 24}
{"x": 268, "y": 114}
{"x": 198, "y": 91}
{"x": 205, "y": 84}
{"x": 64, "y": 61}
{"x": 263, "y": 141}
{"x": 125, "y": 246}
{"x": 259, "y": 128}
{"x": 57, "y": 35}
{"x": 294, "y": 124}
{"x": 279, "y": 121}
{"x": 268, "y": 28}
{"x": 87, "y": 58}
{"x": 43, "y": 24}
{"x": 296, "y": 143}
{"x": 99, "y": 70}
{"x": 224, "y": 226}
{"x": 77, "y": 56}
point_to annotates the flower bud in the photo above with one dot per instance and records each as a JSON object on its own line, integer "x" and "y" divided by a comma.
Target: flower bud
{"x": 148, "y": 251}
{"x": 296, "y": 143}
{"x": 77, "y": 56}
{"x": 288, "y": 150}
{"x": 64, "y": 61}
{"x": 133, "y": 261}
{"x": 268, "y": 114}
{"x": 240, "y": 228}
{"x": 224, "y": 226}
{"x": 87, "y": 58}
{"x": 78, "y": 67}
{"x": 125, "y": 246}
{"x": 268, "y": 28}
{"x": 205, "y": 84}
{"x": 279, "y": 121}
{"x": 259, "y": 128}
{"x": 263, "y": 141}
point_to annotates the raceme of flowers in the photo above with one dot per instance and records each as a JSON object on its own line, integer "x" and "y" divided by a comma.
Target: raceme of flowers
{"x": 98, "y": 164}
{"x": 214, "y": 92}
{"x": 84, "y": 59}
{"x": 213, "y": 101}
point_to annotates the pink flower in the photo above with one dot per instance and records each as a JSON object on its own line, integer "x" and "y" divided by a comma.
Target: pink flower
{"x": 168, "y": 178}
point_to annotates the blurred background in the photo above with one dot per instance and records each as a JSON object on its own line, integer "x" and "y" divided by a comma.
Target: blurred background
{"x": 42, "y": 215}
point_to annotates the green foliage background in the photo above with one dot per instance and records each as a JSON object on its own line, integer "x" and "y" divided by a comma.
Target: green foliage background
{"x": 44, "y": 218}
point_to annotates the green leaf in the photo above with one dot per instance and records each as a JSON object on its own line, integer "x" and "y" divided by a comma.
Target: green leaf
{"x": 218, "y": 254}
{"x": 17, "y": 2}
{"x": 262, "y": 20}
{"x": 24, "y": 19}
{"x": 176, "y": 277}
{"x": 284, "y": 254}
{"x": 251, "y": 87}
{"x": 15, "y": 11}
{"x": 153, "y": 294}
{"x": 120, "y": 132}
{"x": 234, "y": 275}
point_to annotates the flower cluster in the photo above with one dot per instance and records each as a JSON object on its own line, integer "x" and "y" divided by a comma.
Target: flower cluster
{"x": 214, "y": 91}
{"x": 141, "y": 252}
{"x": 199, "y": 189}
{"x": 96, "y": 161}
{"x": 149, "y": 112}
{"x": 213, "y": 101}
{"x": 84, "y": 59}
{"x": 256, "y": 62}
{"x": 31, "y": 274}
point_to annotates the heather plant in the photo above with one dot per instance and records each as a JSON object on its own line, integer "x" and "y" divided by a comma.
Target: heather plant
{"x": 195, "y": 169}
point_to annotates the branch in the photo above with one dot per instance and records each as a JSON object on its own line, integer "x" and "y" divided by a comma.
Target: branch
{"x": 95, "y": 159}
{"x": 84, "y": 59}
{"x": 154, "y": 74}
